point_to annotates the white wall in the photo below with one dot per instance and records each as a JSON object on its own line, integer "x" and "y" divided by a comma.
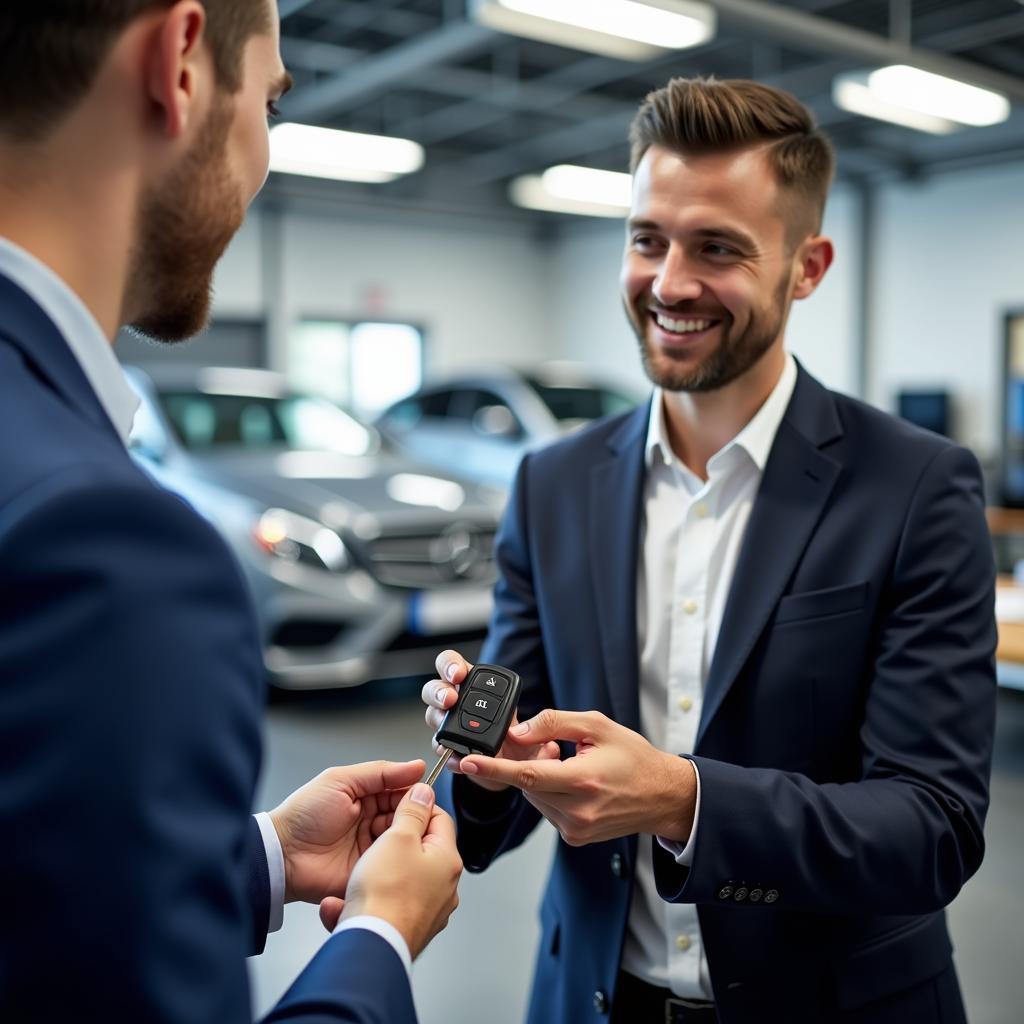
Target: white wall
{"x": 950, "y": 264}
{"x": 590, "y": 325}
{"x": 480, "y": 294}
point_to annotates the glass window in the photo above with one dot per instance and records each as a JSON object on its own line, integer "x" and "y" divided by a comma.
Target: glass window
{"x": 363, "y": 366}
{"x": 568, "y": 404}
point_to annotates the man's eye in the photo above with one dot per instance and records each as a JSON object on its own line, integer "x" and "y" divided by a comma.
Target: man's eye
{"x": 715, "y": 249}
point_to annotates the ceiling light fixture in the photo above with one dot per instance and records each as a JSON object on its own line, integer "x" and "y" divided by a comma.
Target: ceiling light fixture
{"x": 918, "y": 99}
{"x": 342, "y": 156}
{"x": 569, "y": 189}
{"x": 627, "y": 29}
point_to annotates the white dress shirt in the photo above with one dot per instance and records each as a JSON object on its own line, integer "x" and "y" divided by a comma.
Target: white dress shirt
{"x": 95, "y": 355}
{"x": 691, "y": 535}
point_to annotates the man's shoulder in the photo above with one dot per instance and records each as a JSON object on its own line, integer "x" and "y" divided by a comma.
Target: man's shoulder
{"x": 597, "y": 439}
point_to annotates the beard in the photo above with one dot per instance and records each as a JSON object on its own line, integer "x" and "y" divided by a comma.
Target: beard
{"x": 185, "y": 223}
{"x": 733, "y": 356}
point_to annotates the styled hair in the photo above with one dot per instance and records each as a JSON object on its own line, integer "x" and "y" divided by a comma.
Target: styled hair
{"x": 53, "y": 50}
{"x": 698, "y": 116}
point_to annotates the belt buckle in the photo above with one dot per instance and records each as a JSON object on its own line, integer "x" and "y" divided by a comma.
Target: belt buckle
{"x": 685, "y": 1008}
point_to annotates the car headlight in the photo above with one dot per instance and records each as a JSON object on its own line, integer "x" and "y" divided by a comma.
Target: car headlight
{"x": 298, "y": 539}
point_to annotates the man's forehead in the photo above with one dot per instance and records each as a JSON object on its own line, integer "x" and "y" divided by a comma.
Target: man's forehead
{"x": 740, "y": 183}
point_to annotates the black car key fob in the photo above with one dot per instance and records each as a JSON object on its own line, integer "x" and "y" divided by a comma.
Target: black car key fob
{"x": 479, "y": 719}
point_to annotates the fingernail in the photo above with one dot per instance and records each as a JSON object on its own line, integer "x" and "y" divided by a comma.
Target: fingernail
{"x": 439, "y": 694}
{"x": 421, "y": 794}
{"x": 521, "y": 729}
{"x": 449, "y": 672}
{"x": 469, "y": 768}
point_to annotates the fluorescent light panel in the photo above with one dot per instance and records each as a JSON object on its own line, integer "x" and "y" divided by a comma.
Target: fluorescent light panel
{"x": 579, "y": 190}
{"x": 939, "y": 96}
{"x": 627, "y": 29}
{"x": 342, "y": 156}
{"x": 918, "y": 99}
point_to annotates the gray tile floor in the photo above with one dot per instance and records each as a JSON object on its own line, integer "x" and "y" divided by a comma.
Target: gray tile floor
{"x": 491, "y": 938}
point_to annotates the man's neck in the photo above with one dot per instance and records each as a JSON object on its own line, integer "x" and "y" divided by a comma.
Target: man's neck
{"x": 81, "y": 229}
{"x": 699, "y": 424}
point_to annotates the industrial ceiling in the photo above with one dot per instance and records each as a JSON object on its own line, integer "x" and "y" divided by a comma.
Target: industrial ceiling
{"x": 488, "y": 106}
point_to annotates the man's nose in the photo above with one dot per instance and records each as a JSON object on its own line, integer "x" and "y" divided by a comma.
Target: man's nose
{"x": 675, "y": 280}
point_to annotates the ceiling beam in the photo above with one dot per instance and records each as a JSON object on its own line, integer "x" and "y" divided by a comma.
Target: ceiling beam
{"x": 395, "y": 65}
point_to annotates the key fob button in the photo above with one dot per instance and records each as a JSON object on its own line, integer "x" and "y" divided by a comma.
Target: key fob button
{"x": 490, "y": 682}
{"x": 481, "y": 705}
{"x": 473, "y": 724}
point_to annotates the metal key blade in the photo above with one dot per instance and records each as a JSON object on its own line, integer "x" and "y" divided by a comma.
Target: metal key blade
{"x": 436, "y": 770}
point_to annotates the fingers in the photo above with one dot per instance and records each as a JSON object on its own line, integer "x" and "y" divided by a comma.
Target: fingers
{"x": 330, "y": 911}
{"x": 559, "y": 725}
{"x": 437, "y": 694}
{"x": 452, "y": 666}
{"x": 374, "y": 777}
{"x": 413, "y": 814}
{"x": 440, "y": 828}
{"x": 547, "y": 776}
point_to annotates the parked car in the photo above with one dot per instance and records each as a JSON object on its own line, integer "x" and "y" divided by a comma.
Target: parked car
{"x": 363, "y": 565}
{"x": 481, "y": 425}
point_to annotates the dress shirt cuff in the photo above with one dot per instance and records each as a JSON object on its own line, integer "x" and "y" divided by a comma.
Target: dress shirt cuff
{"x": 275, "y": 865}
{"x": 684, "y": 854}
{"x": 387, "y": 931}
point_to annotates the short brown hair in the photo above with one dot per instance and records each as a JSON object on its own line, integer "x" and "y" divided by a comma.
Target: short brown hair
{"x": 701, "y": 116}
{"x": 53, "y": 50}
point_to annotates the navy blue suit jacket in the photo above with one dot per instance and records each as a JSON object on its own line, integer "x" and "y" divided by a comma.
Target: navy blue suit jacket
{"x": 133, "y": 880}
{"x": 845, "y": 737}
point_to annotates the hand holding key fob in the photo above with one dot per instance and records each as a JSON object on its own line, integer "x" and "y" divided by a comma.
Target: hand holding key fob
{"x": 478, "y": 721}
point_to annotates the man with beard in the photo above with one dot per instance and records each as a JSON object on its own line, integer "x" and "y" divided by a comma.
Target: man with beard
{"x": 132, "y": 137}
{"x": 755, "y": 622}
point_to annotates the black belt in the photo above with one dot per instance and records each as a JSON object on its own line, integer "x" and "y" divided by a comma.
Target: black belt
{"x": 636, "y": 1002}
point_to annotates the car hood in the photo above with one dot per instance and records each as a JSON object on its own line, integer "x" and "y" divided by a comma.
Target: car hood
{"x": 364, "y": 493}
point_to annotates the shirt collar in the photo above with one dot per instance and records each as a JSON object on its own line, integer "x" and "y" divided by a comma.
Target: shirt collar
{"x": 80, "y": 330}
{"x": 756, "y": 438}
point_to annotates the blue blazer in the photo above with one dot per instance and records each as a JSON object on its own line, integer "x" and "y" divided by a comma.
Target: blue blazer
{"x": 132, "y": 879}
{"x": 845, "y": 738}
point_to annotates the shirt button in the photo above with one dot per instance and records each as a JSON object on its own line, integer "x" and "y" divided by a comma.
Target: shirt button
{"x": 600, "y": 1002}
{"x": 683, "y": 942}
{"x": 685, "y": 703}
{"x": 702, "y": 510}
{"x": 618, "y": 867}
{"x": 689, "y": 606}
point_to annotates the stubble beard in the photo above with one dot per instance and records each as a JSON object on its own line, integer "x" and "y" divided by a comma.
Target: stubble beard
{"x": 185, "y": 224}
{"x": 731, "y": 358}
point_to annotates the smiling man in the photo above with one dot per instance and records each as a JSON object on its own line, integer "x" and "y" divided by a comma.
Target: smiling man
{"x": 754, "y": 620}
{"x": 133, "y": 136}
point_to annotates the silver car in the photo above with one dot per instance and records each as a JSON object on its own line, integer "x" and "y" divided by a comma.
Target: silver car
{"x": 363, "y": 565}
{"x": 480, "y": 425}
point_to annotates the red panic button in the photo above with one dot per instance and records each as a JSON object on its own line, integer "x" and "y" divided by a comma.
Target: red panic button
{"x": 471, "y": 724}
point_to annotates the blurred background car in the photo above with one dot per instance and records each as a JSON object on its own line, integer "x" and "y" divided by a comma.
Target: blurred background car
{"x": 480, "y": 425}
{"x": 363, "y": 565}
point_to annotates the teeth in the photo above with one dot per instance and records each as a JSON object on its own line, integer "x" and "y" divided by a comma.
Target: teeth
{"x": 681, "y": 326}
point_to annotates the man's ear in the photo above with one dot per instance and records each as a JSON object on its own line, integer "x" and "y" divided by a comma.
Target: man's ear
{"x": 813, "y": 258}
{"x": 176, "y": 66}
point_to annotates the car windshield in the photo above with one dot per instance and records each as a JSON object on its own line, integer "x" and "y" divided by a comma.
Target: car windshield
{"x": 568, "y": 403}
{"x": 203, "y": 422}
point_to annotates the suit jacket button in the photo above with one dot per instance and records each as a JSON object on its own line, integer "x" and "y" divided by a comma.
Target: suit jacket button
{"x": 618, "y": 866}
{"x": 600, "y": 1002}
{"x": 755, "y": 895}
{"x": 771, "y": 895}
{"x": 740, "y": 894}
{"x": 725, "y": 892}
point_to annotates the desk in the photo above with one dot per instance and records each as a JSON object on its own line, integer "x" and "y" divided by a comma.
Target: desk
{"x": 1010, "y": 652}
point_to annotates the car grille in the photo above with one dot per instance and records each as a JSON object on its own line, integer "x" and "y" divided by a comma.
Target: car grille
{"x": 461, "y": 554}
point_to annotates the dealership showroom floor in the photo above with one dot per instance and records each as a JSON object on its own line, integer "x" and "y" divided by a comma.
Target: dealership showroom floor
{"x": 490, "y": 941}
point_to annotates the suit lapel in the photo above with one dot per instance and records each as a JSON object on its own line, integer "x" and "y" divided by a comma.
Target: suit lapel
{"x": 34, "y": 334}
{"x": 616, "y": 495}
{"x": 798, "y": 479}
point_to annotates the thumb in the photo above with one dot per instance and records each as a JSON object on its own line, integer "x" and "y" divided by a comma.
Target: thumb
{"x": 412, "y": 815}
{"x": 330, "y": 911}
